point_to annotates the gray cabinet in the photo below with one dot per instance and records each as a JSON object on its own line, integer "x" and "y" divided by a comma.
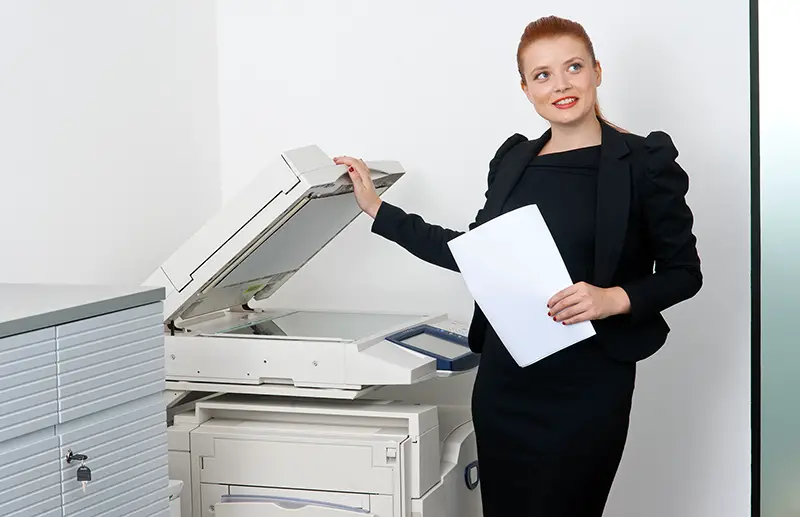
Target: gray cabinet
{"x": 28, "y": 383}
{"x": 127, "y": 449}
{"x": 91, "y": 383}
{"x": 31, "y": 485}
{"x": 109, "y": 360}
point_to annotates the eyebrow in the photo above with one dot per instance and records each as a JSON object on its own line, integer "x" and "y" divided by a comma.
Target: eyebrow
{"x": 539, "y": 68}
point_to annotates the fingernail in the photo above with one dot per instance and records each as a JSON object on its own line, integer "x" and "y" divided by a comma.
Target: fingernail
{"x": 350, "y": 169}
{"x": 554, "y": 318}
{"x": 563, "y": 322}
{"x": 549, "y": 314}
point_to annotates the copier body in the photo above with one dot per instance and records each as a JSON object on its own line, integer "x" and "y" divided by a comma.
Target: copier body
{"x": 267, "y": 415}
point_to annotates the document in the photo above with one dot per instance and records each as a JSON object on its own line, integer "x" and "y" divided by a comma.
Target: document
{"x": 512, "y": 267}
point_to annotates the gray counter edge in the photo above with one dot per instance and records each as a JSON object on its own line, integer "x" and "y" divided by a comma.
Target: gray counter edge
{"x": 80, "y": 312}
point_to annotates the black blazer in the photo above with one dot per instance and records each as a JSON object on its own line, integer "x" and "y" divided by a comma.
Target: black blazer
{"x": 643, "y": 241}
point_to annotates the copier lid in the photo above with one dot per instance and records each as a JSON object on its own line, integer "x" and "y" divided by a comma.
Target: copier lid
{"x": 267, "y": 233}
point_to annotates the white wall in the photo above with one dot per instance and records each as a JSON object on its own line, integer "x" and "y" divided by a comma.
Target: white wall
{"x": 109, "y": 135}
{"x": 433, "y": 84}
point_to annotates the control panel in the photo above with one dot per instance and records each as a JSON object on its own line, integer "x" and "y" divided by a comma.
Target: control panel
{"x": 453, "y": 327}
{"x": 445, "y": 341}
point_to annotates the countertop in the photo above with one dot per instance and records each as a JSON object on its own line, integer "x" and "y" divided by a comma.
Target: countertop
{"x": 28, "y": 307}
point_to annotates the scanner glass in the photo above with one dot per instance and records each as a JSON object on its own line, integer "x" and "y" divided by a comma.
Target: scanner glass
{"x": 330, "y": 325}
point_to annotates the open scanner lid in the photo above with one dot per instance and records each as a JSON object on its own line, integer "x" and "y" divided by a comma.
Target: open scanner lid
{"x": 259, "y": 239}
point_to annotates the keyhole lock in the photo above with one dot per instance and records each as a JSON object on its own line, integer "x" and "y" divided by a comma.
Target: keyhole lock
{"x": 84, "y": 473}
{"x": 75, "y": 457}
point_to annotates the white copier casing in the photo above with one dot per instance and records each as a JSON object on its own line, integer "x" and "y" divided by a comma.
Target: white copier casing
{"x": 270, "y": 410}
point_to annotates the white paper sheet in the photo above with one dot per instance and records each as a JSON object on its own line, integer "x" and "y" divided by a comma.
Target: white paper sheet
{"x": 512, "y": 267}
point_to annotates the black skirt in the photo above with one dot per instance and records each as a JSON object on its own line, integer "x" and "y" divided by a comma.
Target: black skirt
{"x": 550, "y": 436}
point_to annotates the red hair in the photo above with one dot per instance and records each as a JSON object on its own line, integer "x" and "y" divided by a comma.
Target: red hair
{"x": 550, "y": 27}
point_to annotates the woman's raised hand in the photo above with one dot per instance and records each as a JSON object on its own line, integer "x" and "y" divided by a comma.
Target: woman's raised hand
{"x": 366, "y": 196}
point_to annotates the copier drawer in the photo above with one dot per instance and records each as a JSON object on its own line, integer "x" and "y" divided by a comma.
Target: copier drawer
{"x": 279, "y": 508}
{"x": 28, "y": 384}
{"x": 109, "y": 360}
{"x": 31, "y": 485}
{"x": 358, "y": 503}
{"x": 312, "y": 462}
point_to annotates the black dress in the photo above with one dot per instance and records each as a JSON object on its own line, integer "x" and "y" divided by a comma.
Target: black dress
{"x": 550, "y": 436}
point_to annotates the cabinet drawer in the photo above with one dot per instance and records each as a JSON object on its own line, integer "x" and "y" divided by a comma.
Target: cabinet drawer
{"x": 28, "y": 383}
{"x": 39, "y": 510}
{"x": 109, "y": 360}
{"x": 127, "y": 450}
{"x": 43, "y": 503}
{"x": 132, "y": 495}
{"x": 31, "y": 484}
{"x": 108, "y": 325}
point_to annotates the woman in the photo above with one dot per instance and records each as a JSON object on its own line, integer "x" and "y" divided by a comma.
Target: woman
{"x": 551, "y": 435}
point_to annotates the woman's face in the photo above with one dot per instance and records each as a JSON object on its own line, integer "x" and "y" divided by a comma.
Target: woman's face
{"x": 560, "y": 80}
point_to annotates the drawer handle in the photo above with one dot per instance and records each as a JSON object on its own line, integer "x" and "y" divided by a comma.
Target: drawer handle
{"x": 289, "y": 503}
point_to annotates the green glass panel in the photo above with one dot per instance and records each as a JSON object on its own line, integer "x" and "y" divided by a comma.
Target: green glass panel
{"x": 779, "y": 71}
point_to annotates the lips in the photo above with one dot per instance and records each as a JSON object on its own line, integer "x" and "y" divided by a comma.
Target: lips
{"x": 565, "y": 102}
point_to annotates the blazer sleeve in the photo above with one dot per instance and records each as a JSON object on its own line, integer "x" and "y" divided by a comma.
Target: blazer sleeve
{"x": 669, "y": 220}
{"x": 422, "y": 239}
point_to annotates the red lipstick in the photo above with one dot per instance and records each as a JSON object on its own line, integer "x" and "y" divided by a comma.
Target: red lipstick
{"x": 570, "y": 102}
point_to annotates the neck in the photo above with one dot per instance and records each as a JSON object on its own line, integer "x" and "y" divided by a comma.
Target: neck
{"x": 585, "y": 133}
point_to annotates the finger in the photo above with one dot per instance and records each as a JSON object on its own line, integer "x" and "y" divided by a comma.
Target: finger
{"x": 345, "y": 160}
{"x": 571, "y": 312}
{"x": 578, "y": 318}
{"x": 561, "y": 295}
{"x": 569, "y": 301}
{"x": 352, "y": 165}
{"x": 355, "y": 177}
{"x": 363, "y": 170}
{"x": 357, "y": 164}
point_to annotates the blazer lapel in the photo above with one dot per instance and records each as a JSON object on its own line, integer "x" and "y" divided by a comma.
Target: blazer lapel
{"x": 508, "y": 174}
{"x": 613, "y": 205}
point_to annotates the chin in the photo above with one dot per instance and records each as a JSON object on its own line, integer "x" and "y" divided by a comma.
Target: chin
{"x": 572, "y": 115}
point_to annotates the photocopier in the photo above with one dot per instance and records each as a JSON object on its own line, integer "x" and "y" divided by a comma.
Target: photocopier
{"x": 272, "y": 412}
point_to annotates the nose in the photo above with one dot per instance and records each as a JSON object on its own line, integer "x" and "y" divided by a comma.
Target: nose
{"x": 562, "y": 84}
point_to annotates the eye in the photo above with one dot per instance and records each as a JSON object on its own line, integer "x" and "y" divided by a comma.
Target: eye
{"x": 540, "y": 76}
{"x": 575, "y": 67}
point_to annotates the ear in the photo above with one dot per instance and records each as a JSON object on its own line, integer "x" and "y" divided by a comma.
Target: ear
{"x": 599, "y": 73}
{"x": 524, "y": 88}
